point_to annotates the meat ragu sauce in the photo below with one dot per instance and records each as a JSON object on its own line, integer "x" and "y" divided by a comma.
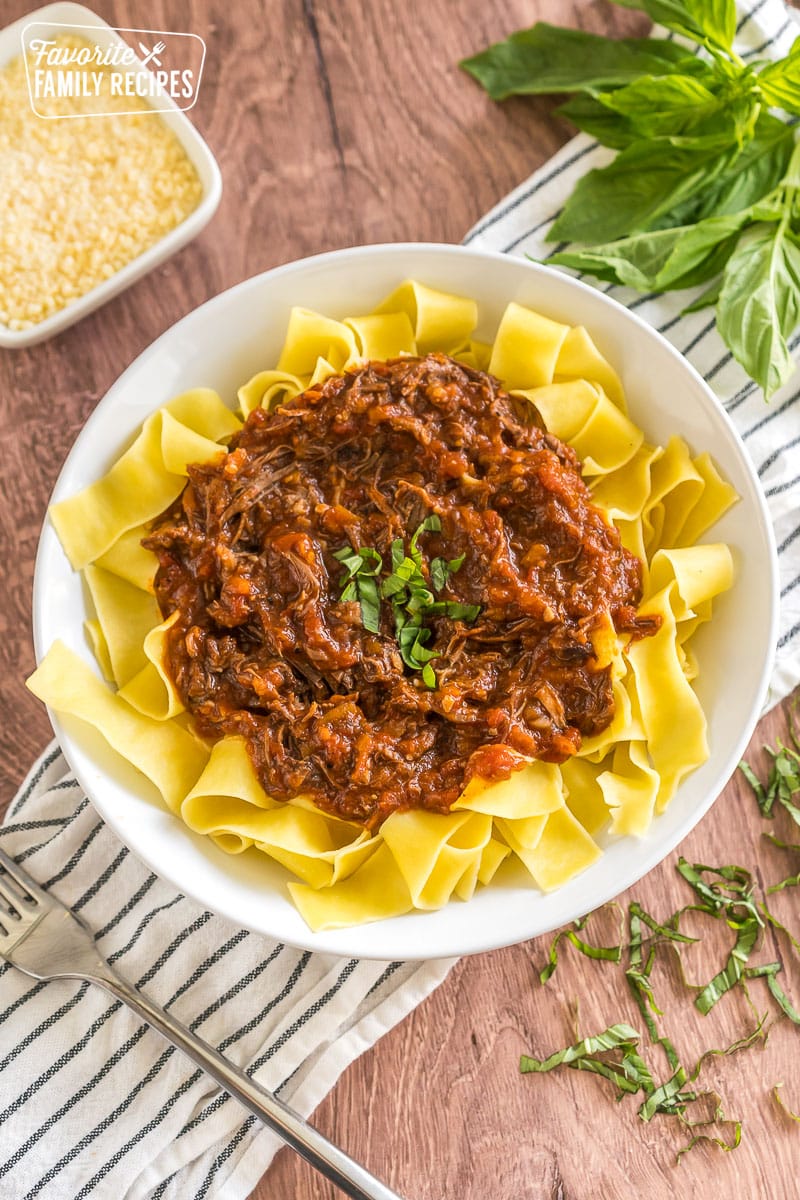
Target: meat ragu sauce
{"x": 263, "y": 646}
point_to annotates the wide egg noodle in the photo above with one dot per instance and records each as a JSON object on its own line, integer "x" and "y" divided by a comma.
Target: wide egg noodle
{"x": 687, "y": 497}
{"x": 376, "y": 892}
{"x": 533, "y": 790}
{"x": 310, "y": 336}
{"x": 579, "y": 358}
{"x": 381, "y": 337}
{"x": 546, "y": 816}
{"x": 584, "y": 797}
{"x": 715, "y": 499}
{"x": 526, "y": 348}
{"x": 440, "y": 321}
{"x": 146, "y": 478}
{"x": 268, "y": 389}
{"x": 622, "y": 494}
{"x": 128, "y": 559}
{"x": 630, "y": 787}
{"x": 684, "y": 582}
{"x": 126, "y": 614}
{"x": 151, "y": 690}
{"x": 97, "y": 640}
{"x": 170, "y": 756}
{"x": 581, "y": 413}
{"x": 561, "y": 847}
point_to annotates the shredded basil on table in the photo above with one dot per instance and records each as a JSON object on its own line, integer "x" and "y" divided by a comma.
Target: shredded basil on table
{"x": 781, "y": 1103}
{"x": 783, "y": 780}
{"x": 726, "y": 894}
{"x": 703, "y": 188}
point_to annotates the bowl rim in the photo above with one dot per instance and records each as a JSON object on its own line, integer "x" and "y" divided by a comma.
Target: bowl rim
{"x": 69, "y": 14}
{"x": 649, "y": 856}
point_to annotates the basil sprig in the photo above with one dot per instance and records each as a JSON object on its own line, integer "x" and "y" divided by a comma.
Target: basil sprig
{"x": 703, "y": 189}
{"x": 412, "y": 598}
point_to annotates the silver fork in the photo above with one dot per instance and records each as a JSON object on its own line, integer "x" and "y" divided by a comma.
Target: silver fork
{"x": 44, "y": 939}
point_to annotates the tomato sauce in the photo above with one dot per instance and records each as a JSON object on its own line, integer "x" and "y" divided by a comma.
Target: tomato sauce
{"x": 264, "y": 647}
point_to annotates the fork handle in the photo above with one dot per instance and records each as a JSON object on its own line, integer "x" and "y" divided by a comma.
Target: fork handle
{"x": 353, "y": 1179}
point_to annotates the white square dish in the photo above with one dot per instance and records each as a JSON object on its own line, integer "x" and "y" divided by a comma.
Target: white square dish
{"x": 67, "y": 17}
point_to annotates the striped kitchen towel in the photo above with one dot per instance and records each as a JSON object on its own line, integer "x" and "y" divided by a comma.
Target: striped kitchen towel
{"x": 95, "y": 1104}
{"x": 771, "y": 432}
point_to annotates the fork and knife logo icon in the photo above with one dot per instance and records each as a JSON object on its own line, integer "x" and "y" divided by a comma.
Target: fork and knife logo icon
{"x": 151, "y": 56}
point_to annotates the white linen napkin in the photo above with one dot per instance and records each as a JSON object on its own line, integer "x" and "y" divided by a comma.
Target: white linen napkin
{"x": 771, "y": 432}
{"x": 93, "y": 1103}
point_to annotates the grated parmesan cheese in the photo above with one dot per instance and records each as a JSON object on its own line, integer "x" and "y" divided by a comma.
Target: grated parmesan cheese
{"x": 82, "y": 196}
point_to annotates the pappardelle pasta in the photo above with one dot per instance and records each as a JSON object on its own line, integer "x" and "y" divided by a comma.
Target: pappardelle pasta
{"x": 546, "y": 815}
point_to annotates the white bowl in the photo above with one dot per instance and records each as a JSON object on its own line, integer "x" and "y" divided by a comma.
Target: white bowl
{"x": 65, "y": 17}
{"x": 226, "y": 341}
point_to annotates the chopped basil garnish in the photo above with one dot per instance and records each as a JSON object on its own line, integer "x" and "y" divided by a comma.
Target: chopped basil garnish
{"x": 726, "y": 894}
{"x": 359, "y": 582}
{"x": 412, "y": 597}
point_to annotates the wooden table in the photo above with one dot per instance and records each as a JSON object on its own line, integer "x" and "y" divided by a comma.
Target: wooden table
{"x": 338, "y": 123}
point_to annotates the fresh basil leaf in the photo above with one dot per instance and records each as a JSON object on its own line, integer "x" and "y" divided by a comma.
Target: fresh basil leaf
{"x": 349, "y": 560}
{"x": 709, "y": 268}
{"x": 781, "y": 844}
{"x": 661, "y": 260}
{"x": 442, "y": 569}
{"x": 792, "y": 180}
{"x": 631, "y": 193}
{"x": 758, "y": 1033}
{"x": 780, "y": 81}
{"x": 661, "y": 106}
{"x": 397, "y": 582}
{"x": 608, "y": 128}
{"x": 609, "y": 953}
{"x": 759, "y": 303}
{"x": 547, "y": 59}
{"x": 751, "y": 175}
{"x": 686, "y": 111}
{"x": 429, "y": 676}
{"x": 707, "y": 298}
{"x": 773, "y": 920}
{"x": 720, "y": 888}
{"x": 712, "y": 21}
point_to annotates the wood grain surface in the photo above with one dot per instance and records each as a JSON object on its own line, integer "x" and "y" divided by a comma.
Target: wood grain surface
{"x": 345, "y": 122}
